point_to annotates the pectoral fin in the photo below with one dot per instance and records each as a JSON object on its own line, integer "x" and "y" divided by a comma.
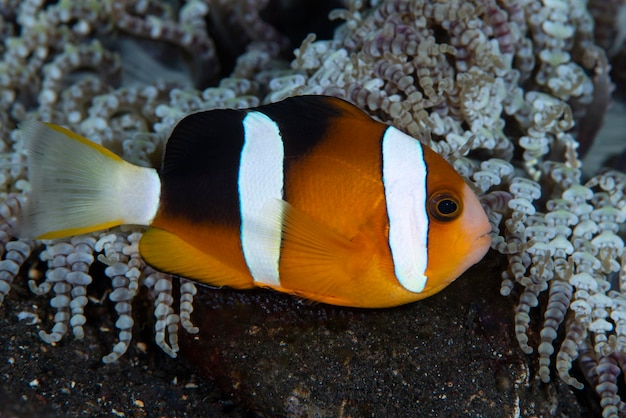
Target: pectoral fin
{"x": 316, "y": 260}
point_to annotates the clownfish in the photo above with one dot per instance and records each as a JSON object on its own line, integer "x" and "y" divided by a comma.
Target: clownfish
{"x": 309, "y": 196}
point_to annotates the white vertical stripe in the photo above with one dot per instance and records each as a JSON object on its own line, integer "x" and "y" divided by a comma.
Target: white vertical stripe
{"x": 404, "y": 179}
{"x": 260, "y": 183}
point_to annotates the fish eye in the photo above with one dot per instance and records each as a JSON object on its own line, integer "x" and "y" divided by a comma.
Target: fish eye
{"x": 444, "y": 207}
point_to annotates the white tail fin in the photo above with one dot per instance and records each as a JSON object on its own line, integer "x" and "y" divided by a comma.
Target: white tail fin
{"x": 79, "y": 186}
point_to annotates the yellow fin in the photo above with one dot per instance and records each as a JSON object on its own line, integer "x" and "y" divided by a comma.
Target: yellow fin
{"x": 316, "y": 260}
{"x": 73, "y": 135}
{"x": 169, "y": 253}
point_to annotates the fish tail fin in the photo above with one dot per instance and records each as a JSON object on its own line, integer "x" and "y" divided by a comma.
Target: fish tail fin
{"x": 78, "y": 186}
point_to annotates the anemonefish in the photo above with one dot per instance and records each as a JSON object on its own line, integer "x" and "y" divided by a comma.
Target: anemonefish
{"x": 309, "y": 196}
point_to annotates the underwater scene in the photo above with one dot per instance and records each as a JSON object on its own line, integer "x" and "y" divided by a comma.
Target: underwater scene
{"x": 525, "y": 100}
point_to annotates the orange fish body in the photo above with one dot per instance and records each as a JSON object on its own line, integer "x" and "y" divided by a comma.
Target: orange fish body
{"x": 309, "y": 196}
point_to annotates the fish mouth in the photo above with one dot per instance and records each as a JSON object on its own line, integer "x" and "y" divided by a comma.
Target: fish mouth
{"x": 483, "y": 237}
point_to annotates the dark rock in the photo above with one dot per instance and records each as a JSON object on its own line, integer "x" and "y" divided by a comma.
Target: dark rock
{"x": 69, "y": 379}
{"x": 454, "y": 354}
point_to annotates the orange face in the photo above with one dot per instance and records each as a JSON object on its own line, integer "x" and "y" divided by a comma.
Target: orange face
{"x": 459, "y": 230}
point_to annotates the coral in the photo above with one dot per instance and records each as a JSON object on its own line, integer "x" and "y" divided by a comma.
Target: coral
{"x": 491, "y": 81}
{"x": 507, "y": 91}
{"x": 610, "y": 34}
{"x": 59, "y": 70}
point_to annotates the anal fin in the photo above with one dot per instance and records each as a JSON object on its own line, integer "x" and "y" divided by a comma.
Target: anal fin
{"x": 169, "y": 253}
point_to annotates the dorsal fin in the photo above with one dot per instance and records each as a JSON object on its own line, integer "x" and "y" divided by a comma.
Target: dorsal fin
{"x": 305, "y": 120}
